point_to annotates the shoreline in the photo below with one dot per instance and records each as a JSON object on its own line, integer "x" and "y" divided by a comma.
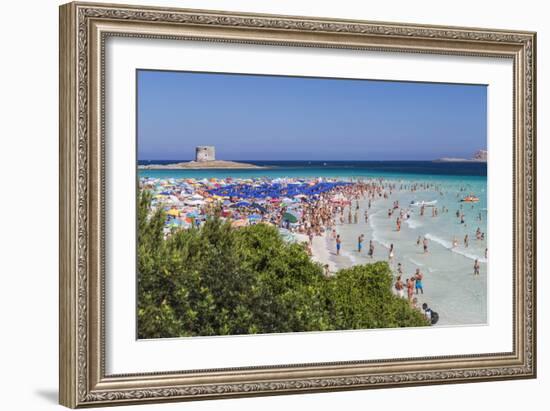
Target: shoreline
{"x": 445, "y": 269}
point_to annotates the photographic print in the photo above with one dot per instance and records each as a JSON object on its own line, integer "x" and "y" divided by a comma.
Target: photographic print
{"x": 277, "y": 204}
{"x": 260, "y": 204}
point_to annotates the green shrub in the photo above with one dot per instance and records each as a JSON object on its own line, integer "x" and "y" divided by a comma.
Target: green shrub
{"x": 218, "y": 280}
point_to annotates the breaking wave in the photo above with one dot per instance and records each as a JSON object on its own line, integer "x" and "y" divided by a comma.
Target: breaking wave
{"x": 449, "y": 246}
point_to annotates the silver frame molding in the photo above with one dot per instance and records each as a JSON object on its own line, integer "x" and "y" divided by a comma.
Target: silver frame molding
{"x": 84, "y": 27}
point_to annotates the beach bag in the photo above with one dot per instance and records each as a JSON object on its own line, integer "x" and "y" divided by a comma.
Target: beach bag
{"x": 434, "y": 317}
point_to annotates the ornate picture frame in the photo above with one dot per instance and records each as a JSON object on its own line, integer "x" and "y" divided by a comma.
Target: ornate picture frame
{"x": 84, "y": 28}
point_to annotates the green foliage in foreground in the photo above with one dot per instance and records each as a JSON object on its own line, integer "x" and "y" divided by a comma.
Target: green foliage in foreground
{"x": 218, "y": 280}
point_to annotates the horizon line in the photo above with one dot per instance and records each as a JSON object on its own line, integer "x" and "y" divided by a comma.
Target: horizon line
{"x": 308, "y": 160}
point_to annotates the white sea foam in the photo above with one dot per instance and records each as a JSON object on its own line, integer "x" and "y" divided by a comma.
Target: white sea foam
{"x": 350, "y": 256}
{"x": 413, "y": 223}
{"x": 448, "y": 245}
{"x": 425, "y": 203}
{"x": 416, "y": 262}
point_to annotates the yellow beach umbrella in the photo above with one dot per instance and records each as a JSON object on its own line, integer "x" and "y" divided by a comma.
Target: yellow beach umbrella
{"x": 173, "y": 212}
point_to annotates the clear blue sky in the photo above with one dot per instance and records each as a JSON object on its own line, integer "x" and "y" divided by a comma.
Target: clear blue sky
{"x": 249, "y": 117}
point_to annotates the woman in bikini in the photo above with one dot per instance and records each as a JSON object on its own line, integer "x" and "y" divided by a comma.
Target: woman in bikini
{"x": 410, "y": 288}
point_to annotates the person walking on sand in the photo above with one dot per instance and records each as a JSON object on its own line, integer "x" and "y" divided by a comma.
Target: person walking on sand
{"x": 418, "y": 281}
{"x": 476, "y": 267}
{"x": 360, "y": 243}
{"x": 400, "y": 287}
{"x": 371, "y": 249}
{"x": 338, "y": 244}
{"x": 399, "y": 269}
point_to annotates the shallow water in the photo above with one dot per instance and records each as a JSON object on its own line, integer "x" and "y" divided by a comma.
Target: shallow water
{"x": 450, "y": 287}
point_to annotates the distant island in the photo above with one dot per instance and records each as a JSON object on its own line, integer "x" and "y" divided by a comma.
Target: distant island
{"x": 205, "y": 158}
{"x": 198, "y": 165}
{"x": 479, "y": 156}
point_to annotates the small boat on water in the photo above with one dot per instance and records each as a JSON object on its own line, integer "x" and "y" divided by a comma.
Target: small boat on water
{"x": 470, "y": 199}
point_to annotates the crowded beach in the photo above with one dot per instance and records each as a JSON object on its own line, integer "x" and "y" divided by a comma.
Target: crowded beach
{"x": 331, "y": 217}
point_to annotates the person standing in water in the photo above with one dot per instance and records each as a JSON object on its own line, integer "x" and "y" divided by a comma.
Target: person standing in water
{"x": 371, "y": 249}
{"x": 476, "y": 267}
{"x": 466, "y": 240}
{"x": 418, "y": 281}
{"x": 425, "y": 245}
{"x": 410, "y": 287}
{"x": 338, "y": 244}
{"x": 360, "y": 243}
{"x": 400, "y": 287}
{"x": 391, "y": 254}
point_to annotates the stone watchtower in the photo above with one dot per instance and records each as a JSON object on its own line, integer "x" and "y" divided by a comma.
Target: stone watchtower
{"x": 205, "y": 153}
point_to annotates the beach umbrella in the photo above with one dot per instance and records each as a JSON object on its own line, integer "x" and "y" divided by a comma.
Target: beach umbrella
{"x": 259, "y": 207}
{"x": 291, "y": 218}
{"x": 194, "y": 202}
{"x": 173, "y": 212}
{"x": 241, "y": 204}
